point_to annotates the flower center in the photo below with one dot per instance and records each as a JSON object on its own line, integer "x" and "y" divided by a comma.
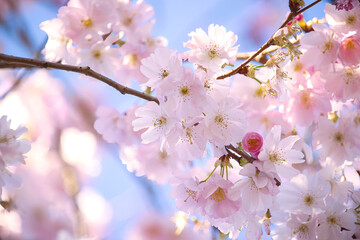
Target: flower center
{"x": 308, "y": 200}
{"x": 4, "y": 139}
{"x": 348, "y": 44}
{"x": 328, "y": 46}
{"x": 163, "y": 156}
{"x": 220, "y": 120}
{"x": 332, "y": 220}
{"x": 128, "y": 21}
{"x": 131, "y": 60}
{"x": 276, "y": 157}
{"x": 305, "y": 99}
{"x": 298, "y": 67}
{"x": 219, "y": 195}
{"x": 160, "y": 121}
{"x": 351, "y": 20}
{"x": 213, "y": 52}
{"x": 349, "y": 74}
{"x": 191, "y": 193}
{"x": 184, "y": 90}
{"x": 302, "y": 230}
{"x": 164, "y": 73}
{"x": 97, "y": 54}
{"x": 87, "y": 23}
{"x": 339, "y": 137}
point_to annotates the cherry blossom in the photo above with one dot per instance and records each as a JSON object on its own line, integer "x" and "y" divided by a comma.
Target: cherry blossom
{"x": 159, "y": 67}
{"x": 12, "y": 151}
{"x": 334, "y": 219}
{"x": 157, "y": 120}
{"x": 212, "y": 50}
{"x": 304, "y": 194}
{"x": 278, "y": 155}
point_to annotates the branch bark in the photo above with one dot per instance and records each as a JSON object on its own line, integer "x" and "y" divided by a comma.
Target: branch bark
{"x": 7, "y": 61}
{"x": 241, "y": 153}
{"x": 268, "y": 43}
{"x": 261, "y": 58}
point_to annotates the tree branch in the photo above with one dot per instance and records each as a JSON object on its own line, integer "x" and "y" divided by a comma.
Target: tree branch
{"x": 241, "y": 153}
{"x": 7, "y": 61}
{"x": 268, "y": 43}
{"x": 261, "y": 58}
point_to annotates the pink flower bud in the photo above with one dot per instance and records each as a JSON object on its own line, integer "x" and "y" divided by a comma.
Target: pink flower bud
{"x": 252, "y": 143}
{"x": 299, "y": 17}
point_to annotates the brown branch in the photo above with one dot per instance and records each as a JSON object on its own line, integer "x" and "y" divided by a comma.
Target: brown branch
{"x": 241, "y": 153}
{"x": 268, "y": 43}
{"x": 261, "y": 58}
{"x": 234, "y": 156}
{"x": 16, "y": 62}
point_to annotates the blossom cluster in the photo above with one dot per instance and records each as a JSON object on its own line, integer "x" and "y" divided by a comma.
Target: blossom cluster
{"x": 279, "y": 140}
{"x": 111, "y": 37}
{"x": 12, "y": 152}
{"x": 304, "y": 99}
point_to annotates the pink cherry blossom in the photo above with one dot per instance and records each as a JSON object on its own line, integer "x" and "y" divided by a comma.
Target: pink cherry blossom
{"x": 343, "y": 81}
{"x": 131, "y": 16}
{"x": 225, "y": 122}
{"x": 216, "y": 201}
{"x": 211, "y": 50}
{"x": 334, "y": 219}
{"x": 58, "y": 45}
{"x": 278, "y": 154}
{"x": 186, "y": 191}
{"x": 116, "y": 127}
{"x": 162, "y": 66}
{"x": 304, "y": 194}
{"x": 342, "y": 21}
{"x": 12, "y": 149}
{"x": 188, "y": 139}
{"x": 256, "y": 191}
{"x": 307, "y": 105}
{"x": 149, "y": 160}
{"x": 321, "y": 46}
{"x": 349, "y": 49}
{"x": 84, "y": 21}
{"x": 337, "y": 142}
{"x": 296, "y": 227}
{"x": 156, "y": 119}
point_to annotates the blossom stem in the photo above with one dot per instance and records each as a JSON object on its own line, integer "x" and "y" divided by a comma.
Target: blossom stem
{"x": 7, "y": 61}
{"x": 267, "y": 44}
{"x": 257, "y": 80}
{"x": 209, "y": 175}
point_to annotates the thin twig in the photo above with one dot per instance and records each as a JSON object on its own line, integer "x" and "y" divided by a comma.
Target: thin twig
{"x": 13, "y": 87}
{"x": 241, "y": 153}
{"x": 16, "y": 62}
{"x": 234, "y": 156}
{"x": 268, "y": 43}
{"x": 261, "y": 58}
